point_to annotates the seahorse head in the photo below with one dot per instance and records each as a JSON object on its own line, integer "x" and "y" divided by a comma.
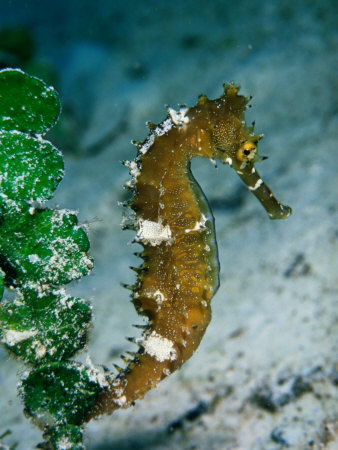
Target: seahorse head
{"x": 233, "y": 142}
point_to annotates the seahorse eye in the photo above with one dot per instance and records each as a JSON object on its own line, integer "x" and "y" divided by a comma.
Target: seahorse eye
{"x": 247, "y": 151}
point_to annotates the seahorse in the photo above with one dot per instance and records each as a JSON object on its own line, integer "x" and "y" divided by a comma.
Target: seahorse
{"x": 174, "y": 224}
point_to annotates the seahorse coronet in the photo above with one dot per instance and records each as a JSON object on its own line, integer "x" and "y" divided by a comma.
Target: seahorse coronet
{"x": 179, "y": 274}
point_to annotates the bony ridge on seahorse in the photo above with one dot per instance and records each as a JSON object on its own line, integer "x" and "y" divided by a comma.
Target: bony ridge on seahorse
{"x": 173, "y": 223}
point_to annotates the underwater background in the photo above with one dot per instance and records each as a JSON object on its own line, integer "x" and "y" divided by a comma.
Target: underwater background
{"x": 266, "y": 374}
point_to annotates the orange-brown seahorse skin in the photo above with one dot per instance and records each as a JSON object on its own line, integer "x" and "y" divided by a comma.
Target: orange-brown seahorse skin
{"x": 173, "y": 223}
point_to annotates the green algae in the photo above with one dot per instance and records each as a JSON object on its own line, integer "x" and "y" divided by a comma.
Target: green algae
{"x": 41, "y": 249}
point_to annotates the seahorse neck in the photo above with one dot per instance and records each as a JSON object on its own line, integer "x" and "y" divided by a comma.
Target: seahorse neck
{"x": 162, "y": 180}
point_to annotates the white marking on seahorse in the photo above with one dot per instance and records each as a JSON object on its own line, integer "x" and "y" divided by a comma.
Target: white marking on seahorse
{"x": 257, "y": 185}
{"x": 199, "y": 225}
{"x": 159, "y": 347}
{"x": 153, "y": 233}
{"x": 179, "y": 117}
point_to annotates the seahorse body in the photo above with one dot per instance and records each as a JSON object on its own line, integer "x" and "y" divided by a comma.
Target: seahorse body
{"x": 175, "y": 226}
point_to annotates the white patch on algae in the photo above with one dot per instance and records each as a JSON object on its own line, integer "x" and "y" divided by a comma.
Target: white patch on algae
{"x": 94, "y": 374}
{"x": 33, "y": 258}
{"x": 13, "y": 337}
{"x": 40, "y": 350}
